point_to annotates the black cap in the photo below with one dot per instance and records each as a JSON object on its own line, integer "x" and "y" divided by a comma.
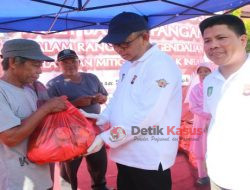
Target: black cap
{"x": 66, "y": 53}
{"x": 122, "y": 25}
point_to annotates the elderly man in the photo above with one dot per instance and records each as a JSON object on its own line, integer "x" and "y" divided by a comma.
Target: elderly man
{"x": 19, "y": 116}
{"x": 145, "y": 105}
{"x": 227, "y": 98}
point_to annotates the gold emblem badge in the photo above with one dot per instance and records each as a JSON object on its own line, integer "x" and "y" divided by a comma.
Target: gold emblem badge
{"x": 162, "y": 83}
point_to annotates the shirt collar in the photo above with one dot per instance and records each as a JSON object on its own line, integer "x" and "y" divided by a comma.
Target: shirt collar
{"x": 218, "y": 75}
{"x": 148, "y": 53}
{"x": 245, "y": 67}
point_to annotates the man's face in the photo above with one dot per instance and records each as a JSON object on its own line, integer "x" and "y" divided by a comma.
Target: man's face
{"x": 69, "y": 66}
{"x": 28, "y": 72}
{"x": 222, "y": 45}
{"x": 132, "y": 49}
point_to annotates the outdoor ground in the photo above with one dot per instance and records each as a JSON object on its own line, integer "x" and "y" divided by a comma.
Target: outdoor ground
{"x": 183, "y": 176}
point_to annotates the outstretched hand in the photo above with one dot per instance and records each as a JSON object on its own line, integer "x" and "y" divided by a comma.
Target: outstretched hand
{"x": 95, "y": 146}
{"x": 56, "y": 104}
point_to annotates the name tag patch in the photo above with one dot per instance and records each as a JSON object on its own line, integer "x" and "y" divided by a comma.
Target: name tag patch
{"x": 209, "y": 91}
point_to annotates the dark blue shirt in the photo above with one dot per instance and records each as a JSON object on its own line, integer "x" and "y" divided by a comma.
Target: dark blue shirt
{"x": 88, "y": 86}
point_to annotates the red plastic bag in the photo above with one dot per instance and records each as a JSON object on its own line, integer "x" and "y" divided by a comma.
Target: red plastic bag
{"x": 61, "y": 136}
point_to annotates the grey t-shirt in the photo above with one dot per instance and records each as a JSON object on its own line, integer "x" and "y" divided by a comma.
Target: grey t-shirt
{"x": 16, "y": 171}
{"x": 88, "y": 86}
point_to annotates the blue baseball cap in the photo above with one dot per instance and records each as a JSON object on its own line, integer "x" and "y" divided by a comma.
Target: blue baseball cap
{"x": 122, "y": 25}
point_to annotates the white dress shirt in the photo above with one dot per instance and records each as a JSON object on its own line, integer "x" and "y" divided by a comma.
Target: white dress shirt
{"x": 148, "y": 94}
{"x": 228, "y": 155}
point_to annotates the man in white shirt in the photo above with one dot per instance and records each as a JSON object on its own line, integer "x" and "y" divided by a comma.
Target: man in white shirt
{"x": 19, "y": 116}
{"x": 145, "y": 110}
{"x": 227, "y": 98}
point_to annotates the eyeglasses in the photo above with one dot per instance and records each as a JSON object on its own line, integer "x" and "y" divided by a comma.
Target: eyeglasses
{"x": 124, "y": 45}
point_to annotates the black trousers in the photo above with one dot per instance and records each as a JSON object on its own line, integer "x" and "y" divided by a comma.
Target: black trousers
{"x": 97, "y": 167}
{"x": 130, "y": 178}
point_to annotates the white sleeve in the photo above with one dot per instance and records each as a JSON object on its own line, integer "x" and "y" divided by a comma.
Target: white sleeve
{"x": 7, "y": 118}
{"x": 161, "y": 87}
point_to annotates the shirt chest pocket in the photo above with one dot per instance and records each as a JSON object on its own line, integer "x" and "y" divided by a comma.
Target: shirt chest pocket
{"x": 243, "y": 90}
{"x": 238, "y": 97}
{"x": 136, "y": 86}
{"x": 134, "y": 81}
{"x": 212, "y": 98}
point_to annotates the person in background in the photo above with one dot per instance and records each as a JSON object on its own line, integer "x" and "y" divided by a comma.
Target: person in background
{"x": 19, "y": 115}
{"x": 227, "y": 99}
{"x": 147, "y": 99}
{"x": 200, "y": 123}
{"x": 85, "y": 91}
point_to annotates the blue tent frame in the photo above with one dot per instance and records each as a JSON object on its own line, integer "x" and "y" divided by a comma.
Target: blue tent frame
{"x": 51, "y": 16}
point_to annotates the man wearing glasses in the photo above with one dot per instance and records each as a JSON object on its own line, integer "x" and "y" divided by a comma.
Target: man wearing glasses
{"x": 146, "y": 102}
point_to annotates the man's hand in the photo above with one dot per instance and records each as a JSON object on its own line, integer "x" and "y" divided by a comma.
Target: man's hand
{"x": 96, "y": 145}
{"x": 56, "y": 104}
{"x": 82, "y": 101}
{"x": 15, "y": 135}
{"x": 99, "y": 98}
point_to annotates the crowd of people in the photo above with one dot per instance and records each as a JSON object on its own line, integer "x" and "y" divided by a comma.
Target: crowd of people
{"x": 148, "y": 98}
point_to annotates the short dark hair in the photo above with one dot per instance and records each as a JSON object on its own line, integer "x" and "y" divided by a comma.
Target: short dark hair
{"x": 233, "y": 22}
{"x": 18, "y": 60}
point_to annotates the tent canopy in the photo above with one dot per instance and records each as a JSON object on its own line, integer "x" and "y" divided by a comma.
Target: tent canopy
{"x": 53, "y": 16}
